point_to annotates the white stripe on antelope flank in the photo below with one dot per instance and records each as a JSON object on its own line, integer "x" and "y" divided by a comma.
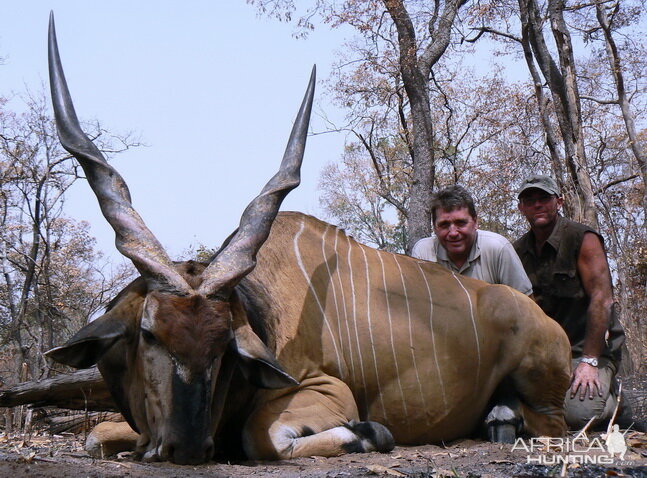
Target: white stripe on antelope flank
{"x": 476, "y": 333}
{"x": 297, "y": 253}
{"x": 370, "y": 330}
{"x": 411, "y": 346}
{"x": 388, "y": 312}
{"x": 359, "y": 353}
{"x": 433, "y": 335}
{"x": 332, "y": 284}
{"x": 516, "y": 301}
{"x": 343, "y": 303}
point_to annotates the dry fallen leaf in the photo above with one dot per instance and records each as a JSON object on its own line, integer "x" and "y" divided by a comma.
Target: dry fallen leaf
{"x": 443, "y": 473}
{"x": 380, "y": 470}
{"x": 125, "y": 455}
{"x": 637, "y": 441}
{"x": 27, "y": 458}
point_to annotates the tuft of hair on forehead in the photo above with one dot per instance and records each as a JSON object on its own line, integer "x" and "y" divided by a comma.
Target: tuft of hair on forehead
{"x": 191, "y": 272}
{"x": 194, "y": 329}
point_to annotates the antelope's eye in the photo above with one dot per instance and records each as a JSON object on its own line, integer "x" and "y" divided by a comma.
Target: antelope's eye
{"x": 148, "y": 337}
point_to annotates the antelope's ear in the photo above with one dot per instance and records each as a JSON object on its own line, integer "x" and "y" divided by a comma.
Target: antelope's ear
{"x": 259, "y": 364}
{"x": 89, "y": 344}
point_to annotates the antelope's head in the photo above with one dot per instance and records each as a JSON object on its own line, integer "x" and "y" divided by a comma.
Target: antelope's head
{"x": 163, "y": 346}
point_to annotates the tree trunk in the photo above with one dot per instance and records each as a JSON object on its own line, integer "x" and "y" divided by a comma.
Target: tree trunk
{"x": 618, "y": 78}
{"x": 8, "y": 419}
{"x": 416, "y": 71}
{"x": 577, "y": 162}
{"x": 557, "y": 160}
{"x": 562, "y": 83}
{"x": 416, "y": 85}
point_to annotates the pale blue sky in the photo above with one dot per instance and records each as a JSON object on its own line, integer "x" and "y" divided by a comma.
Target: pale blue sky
{"x": 211, "y": 88}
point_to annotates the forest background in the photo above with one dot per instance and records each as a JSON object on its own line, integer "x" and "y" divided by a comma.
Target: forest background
{"x": 419, "y": 113}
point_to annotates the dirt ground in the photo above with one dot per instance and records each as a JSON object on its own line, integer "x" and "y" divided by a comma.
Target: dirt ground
{"x": 44, "y": 455}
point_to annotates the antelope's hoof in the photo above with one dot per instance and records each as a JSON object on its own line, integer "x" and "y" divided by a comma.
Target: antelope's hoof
{"x": 372, "y": 436}
{"x": 503, "y": 425}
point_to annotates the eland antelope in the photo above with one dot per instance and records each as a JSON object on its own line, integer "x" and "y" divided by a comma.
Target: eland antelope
{"x": 296, "y": 340}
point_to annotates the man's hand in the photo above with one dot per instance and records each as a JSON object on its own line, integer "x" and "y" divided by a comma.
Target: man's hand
{"x": 585, "y": 376}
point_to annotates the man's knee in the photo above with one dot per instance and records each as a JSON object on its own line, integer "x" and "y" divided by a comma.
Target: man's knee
{"x": 578, "y": 412}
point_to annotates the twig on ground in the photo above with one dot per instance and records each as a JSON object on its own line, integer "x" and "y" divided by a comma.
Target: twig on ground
{"x": 583, "y": 430}
{"x": 615, "y": 412}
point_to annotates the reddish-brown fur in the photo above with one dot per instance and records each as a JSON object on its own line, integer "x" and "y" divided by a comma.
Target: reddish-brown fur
{"x": 319, "y": 333}
{"x": 189, "y": 324}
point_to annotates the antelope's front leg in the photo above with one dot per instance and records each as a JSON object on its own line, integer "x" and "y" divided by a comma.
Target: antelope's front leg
{"x": 319, "y": 418}
{"x": 110, "y": 438}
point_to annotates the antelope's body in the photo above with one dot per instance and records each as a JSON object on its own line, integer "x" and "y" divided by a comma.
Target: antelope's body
{"x": 420, "y": 348}
{"x": 295, "y": 340}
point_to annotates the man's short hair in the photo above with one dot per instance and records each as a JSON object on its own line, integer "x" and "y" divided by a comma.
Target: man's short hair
{"x": 451, "y": 198}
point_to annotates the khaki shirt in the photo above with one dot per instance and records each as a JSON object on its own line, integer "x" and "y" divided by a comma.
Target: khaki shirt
{"x": 492, "y": 259}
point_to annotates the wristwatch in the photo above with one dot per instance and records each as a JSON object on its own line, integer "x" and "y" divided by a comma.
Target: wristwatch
{"x": 590, "y": 360}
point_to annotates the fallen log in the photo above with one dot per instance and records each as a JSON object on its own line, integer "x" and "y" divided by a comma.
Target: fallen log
{"x": 74, "y": 421}
{"x": 80, "y": 390}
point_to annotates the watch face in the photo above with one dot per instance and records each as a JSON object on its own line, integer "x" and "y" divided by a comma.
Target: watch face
{"x": 591, "y": 361}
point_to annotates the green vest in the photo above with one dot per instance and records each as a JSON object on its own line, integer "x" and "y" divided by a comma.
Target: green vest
{"x": 557, "y": 286}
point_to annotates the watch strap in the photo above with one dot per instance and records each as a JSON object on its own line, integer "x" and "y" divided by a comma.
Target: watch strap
{"x": 590, "y": 360}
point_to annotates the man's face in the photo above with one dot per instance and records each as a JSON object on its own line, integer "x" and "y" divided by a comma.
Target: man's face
{"x": 539, "y": 207}
{"x": 456, "y": 231}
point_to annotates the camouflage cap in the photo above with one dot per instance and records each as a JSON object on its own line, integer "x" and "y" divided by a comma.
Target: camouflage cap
{"x": 539, "y": 181}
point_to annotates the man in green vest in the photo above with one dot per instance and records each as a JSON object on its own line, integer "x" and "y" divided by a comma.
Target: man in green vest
{"x": 567, "y": 266}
